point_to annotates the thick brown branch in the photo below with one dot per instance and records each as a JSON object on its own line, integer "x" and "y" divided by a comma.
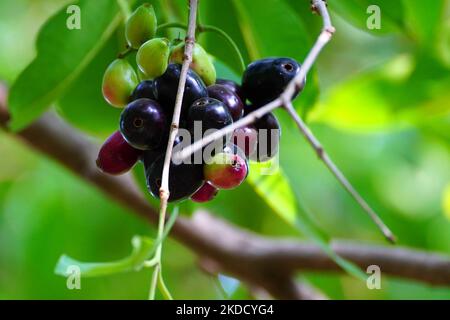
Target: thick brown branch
{"x": 244, "y": 255}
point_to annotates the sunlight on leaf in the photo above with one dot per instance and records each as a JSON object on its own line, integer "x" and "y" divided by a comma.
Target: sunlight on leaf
{"x": 446, "y": 202}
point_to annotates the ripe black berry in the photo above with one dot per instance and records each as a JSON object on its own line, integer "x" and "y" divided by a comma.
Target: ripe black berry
{"x": 206, "y": 193}
{"x": 144, "y": 90}
{"x": 233, "y": 86}
{"x": 264, "y": 80}
{"x": 212, "y": 113}
{"x": 184, "y": 179}
{"x": 166, "y": 87}
{"x": 229, "y": 98}
{"x": 269, "y": 132}
{"x": 143, "y": 124}
{"x": 116, "y": 156}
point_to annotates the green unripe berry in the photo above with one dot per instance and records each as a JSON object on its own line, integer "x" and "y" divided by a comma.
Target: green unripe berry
{"x": 153, "y": 57}
{"x": 119, "y": 81}
{"x": 201, "y": 62}
{"x": 141, "y": 26}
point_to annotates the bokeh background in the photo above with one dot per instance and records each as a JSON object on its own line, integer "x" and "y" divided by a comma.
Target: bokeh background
{"x": 377, "y": 99}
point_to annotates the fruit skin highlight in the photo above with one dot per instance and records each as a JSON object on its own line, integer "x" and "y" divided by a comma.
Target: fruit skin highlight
{"x": 212, "y": 114}
{"x": 226, "y": 170}
{"x": 119, "y": 82}
{"x": 264, "y": 80}
{"x": 201, "y": 62}
{"x": 152, "y": 57}
{"x": 144, "y": 124}
{"x": 116, "y": 156}
{"x": 141, "y": 26}
{"x": 233, "y": 86}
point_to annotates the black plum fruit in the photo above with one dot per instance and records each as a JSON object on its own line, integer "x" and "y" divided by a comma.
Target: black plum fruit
{"x": 206, "y": 193}
{"x": 229, "y": 98}
{"x": 269, "y": 132}
{"x": 144, "y": 90}
{"x": 166, "y": 87}
{"x": 212, "y": 113}
{"x": 184, "y": 179}
{"x": 116, "y": 156}
{"x": 264, "y": 80}
{"x": 143, "y": 124}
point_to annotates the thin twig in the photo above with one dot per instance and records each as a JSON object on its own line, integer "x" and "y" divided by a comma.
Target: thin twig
{"x": 323, "y": 155}
{"x": 284, "y": 99}
{"x": 164, "y": 192}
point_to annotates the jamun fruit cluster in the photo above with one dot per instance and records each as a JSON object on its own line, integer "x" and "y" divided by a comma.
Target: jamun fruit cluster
{"x": 148, "y": 98}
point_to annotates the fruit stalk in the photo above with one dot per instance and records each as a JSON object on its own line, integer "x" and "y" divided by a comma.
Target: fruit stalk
{"x": 164, "y": 192}
{"x": 320, "y": 7}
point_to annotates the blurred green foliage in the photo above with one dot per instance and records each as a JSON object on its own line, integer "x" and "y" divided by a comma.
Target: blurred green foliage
{"x": 377, "y": 99}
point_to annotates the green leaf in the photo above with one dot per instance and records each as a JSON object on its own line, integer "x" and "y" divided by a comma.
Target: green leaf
{"x": 62, "y": 55}
{"x": 211, "y": 12}
{"x": 140, "y": 253}
{"x": 143, "y": 249}
{"x": 274, "y": 188}
{"x": 425, "y": 20}
{"x": 355, "y": 12}
{"x": 83, "y": 104}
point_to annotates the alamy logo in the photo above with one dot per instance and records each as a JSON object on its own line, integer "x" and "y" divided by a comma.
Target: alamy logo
{"x": 73, "y": 22}
{"x": 374, "y": 20}
{"x": 73, "y": 273}
{"x": 374, "y": 280}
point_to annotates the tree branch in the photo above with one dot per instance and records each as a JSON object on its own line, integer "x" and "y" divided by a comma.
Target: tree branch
{"x": 242, "y": 254}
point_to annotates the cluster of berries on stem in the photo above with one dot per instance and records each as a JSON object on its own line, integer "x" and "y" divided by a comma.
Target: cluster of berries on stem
{"x": 148, "y": 98}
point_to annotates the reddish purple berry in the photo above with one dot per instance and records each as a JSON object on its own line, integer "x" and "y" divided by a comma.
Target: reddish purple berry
{"x": 233, "y": 86}
{"x": 246, "y": 138}
{"x": 116, "y": 156}
{"x": 229, "y": 98}
{"x": 206, "y": 193}
{"x": 226, "y": 170}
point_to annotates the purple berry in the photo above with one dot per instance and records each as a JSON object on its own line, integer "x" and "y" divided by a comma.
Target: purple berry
{"x": 116, "y": 156}
{"x": 229, "y": 98}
